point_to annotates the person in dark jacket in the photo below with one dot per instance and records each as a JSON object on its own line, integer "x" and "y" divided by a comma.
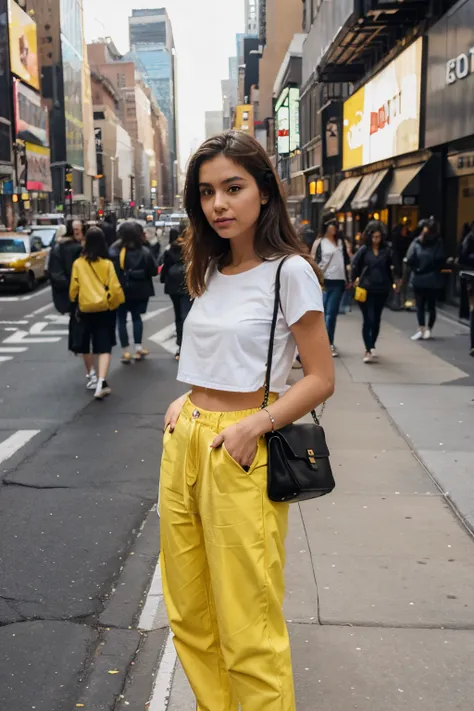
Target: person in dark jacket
{"x": 372, "y": 269}
{"x": 426, "y": 259}
{"x": 63, "y": 255}
{"x": 108, "y": 228}
{"x": 466, "y": 263}
{"x": 135, "y": 267}
{"x": 173, "y": 276}
{"x": 68, "y": 248}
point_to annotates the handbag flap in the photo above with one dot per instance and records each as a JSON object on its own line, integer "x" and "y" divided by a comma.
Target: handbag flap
{"x": 301, "y": 441}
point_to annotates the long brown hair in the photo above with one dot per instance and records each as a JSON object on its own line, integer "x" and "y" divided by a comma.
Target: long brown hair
{"x": 275, "y": 236}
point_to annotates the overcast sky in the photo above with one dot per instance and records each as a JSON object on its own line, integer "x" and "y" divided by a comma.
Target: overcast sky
{"x": 204, "y": 33}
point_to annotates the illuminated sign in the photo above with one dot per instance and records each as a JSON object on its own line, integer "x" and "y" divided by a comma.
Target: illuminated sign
{"x": 23, "y": 45}
{"x": 287, "y": 111}
{"x": 382, "y": 119}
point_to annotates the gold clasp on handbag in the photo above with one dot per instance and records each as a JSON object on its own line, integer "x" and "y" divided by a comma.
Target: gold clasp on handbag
{"x": 312, "y": 458}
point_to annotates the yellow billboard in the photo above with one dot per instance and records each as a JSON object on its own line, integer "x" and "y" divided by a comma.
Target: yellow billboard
{"x": 382, "y": 120}
{"x": 23, "y": 45}
{"x": 244, "y": 118}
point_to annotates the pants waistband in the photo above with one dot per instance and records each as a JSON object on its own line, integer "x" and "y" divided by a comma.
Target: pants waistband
{"x": 218, "y": 420}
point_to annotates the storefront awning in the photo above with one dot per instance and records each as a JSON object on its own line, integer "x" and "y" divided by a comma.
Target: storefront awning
{"x": 342, "y": 194}
{"x": 404, "y": 183}
{"x": 368, "y": 194}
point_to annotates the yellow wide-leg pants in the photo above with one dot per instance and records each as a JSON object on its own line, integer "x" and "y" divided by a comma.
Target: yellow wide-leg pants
{"x": 222, "y": 561}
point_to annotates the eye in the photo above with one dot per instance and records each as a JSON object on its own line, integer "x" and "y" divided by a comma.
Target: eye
{"x": 206, "y": 192}
{"x": 235, "y": 189}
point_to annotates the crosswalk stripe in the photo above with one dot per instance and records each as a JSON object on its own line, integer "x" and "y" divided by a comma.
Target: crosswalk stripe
{"x": 12, "y": 349}
{"x": 15, "y": 442}
{"x": 4, "y": 358}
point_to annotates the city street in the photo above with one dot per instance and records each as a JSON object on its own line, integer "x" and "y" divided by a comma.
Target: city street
{"x": 379, "y": 575}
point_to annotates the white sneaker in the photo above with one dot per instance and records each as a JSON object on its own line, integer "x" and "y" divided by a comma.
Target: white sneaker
{"x": 374, "y": 354}
{"x": 368, "y": 358}
{"x": 91, "y": 382}
{"x": 334, "y": 352}
{"x": 427, "y": 335}
{"x": 103, "y": 392}
{"x": 418, "y": 336}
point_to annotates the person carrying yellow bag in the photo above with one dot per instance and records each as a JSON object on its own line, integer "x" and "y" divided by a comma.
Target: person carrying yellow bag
{"x": 96, "y": 291}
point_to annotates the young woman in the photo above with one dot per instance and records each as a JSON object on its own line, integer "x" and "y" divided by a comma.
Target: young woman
{"x": 372, "y": 269}
{"x": 426, "y": 258}
{"x": 97, "y": 291}
{"x": 222, "y": 539}
{"x": 331, "y": 255}
{"x": 173, "y": 276}
{"x": 135, "y": 267}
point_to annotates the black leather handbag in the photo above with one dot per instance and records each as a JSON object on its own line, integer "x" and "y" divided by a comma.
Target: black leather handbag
{"x": 298, "y": 456}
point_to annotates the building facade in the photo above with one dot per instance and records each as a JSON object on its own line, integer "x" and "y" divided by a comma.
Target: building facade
{"x": 152, "y": 44}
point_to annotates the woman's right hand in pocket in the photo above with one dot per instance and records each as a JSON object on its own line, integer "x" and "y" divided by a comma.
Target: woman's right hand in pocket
{"x": 173, "y": 412}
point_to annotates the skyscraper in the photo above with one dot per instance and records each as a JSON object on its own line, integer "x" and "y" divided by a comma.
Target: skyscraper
{"x": 251, "y": 17}
{"x": 152, "y": 45}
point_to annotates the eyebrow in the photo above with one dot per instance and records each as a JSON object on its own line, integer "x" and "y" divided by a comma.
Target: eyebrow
{"x": 235, "y": 178}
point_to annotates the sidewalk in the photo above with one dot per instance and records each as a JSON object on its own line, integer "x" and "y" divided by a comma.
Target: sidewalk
{"x": 380, "y": 575}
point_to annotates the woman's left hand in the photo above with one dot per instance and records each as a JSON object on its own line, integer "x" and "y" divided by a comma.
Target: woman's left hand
{"x": 240, "y": 442}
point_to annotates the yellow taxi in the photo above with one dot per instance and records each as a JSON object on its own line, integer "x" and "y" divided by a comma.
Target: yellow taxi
{"x": 23, "y": 259}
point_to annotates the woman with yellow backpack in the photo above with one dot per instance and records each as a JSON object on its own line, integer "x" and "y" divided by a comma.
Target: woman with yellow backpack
{"x": 96, "y": 291}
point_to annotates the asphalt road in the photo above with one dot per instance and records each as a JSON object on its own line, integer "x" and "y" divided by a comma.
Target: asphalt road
{"x": 77, "y": 480}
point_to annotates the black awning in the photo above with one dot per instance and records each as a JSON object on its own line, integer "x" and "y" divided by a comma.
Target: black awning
{"x": 404, "y": 184}
{"x": 342, "y": 195}
{"x": 369, "y": 194}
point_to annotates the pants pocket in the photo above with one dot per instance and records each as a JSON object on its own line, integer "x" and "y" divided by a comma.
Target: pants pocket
{"x": 247, "y": 470}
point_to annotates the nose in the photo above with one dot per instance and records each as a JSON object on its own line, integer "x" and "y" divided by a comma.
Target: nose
{"x": 220, "y": 201}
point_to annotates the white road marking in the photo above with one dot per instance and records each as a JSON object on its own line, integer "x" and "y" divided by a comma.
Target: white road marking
{"x": 13, "y": 350}
{"x": 5, "y": 358}
{"x": 10, "y": 328}
{"x": 165, "y": 338}
{"x": 37, "y": 329}
{"x": 24, "y": 298}
{"x": 22, "y": 337}
{"x": 59, "y": 319}
{"x": 15, "y": 442}
{"x": 161, "y": 693}
{"x": 13, "y": 323}
{"x": 40, "y": 310}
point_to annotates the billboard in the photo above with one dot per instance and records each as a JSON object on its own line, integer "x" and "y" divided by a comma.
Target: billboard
{"x": 382, "y": 119}
{"x": 23, "y": 45}
{"x": 39, "y": 168}
{"x": 287, "y": 112}
{"x": 31, "y": 118}
{"x": 72, "y": 73}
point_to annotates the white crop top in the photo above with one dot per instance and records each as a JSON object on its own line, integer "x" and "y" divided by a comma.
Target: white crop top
{"x": 227, "y": 332}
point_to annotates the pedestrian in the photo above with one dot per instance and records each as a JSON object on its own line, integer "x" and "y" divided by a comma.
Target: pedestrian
{"x": 62, "y": 257}
{"x": 135, "y": 267}
{"x": 466, "y": 263}
{"x": 108, "y": 228}
{"x": 173, "y": 276}
{"x": 222, "y": 539}
{"x": 426, "y": 259}
{"x": 79, "y": 231}
{"x": 372, "y": 270}
{"x": 331, "y": 255}
{"x": 96, "y": 291}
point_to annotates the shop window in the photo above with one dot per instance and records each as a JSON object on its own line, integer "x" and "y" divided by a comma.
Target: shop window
{"x": 465, "y": 201}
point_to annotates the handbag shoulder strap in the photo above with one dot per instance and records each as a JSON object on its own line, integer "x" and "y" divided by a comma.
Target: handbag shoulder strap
{"x": 123, "y": 254}
{"x": 268, "y": 372}
{"x": 106, "y": 286}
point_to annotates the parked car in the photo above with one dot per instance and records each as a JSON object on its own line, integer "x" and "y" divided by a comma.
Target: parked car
{"x": 54, "y": 218}
{"x": 47, "y": 233}
{"x": 22, "y": 260}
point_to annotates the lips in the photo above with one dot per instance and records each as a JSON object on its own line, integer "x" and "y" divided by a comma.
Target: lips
{"x": 222, "y": 222}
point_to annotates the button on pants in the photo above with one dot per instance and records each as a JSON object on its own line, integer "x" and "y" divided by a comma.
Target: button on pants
{"x": 222, "y": 561}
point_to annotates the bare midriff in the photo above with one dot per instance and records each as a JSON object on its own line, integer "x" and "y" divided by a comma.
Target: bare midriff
{"x": 222, "y": 401}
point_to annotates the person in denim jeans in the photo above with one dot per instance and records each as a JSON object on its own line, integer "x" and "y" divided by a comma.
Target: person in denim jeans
{"x": 330, "y": 253}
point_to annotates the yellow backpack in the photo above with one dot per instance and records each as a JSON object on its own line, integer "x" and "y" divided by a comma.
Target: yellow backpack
{"x": 96, "y": 295}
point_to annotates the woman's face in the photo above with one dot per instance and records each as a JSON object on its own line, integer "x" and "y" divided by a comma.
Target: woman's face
{"x": 331, "y": 231}
{"x": 230, "y": 198}
{"x": 376, "y": 239}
